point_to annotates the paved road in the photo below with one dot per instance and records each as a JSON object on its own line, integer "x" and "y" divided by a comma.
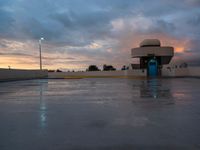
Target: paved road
{"x": 100, "y": 114}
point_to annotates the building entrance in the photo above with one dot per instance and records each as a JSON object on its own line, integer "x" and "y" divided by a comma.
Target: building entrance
{"x": 153, "y": 68}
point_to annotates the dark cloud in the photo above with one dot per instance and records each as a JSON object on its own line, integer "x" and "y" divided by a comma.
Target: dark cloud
{"x": 15, "y": 54}
{"x": 162, "y": 26}
{"x": 194, "y": 20}
{"x": 34, "y": 28}
{"x": 194, "y": 47}
{"x": 6, "y": 22}
{"x": 2, "y": 45}
{"x": 74, "y": 25}
{"x": 193, "y": 3}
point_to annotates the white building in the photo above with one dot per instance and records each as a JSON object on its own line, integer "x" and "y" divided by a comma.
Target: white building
{"x": 152, "y": 56}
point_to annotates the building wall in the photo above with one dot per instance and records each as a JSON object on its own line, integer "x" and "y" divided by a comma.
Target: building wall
{"x": 181, "y": 72}
{"x": 175, "y": 72}
{"x": 118, "y": 73}
{"x": 17, "y": 74}
{"x": 157, "y": 51}
{"x": 194, "y": 71}
{"x": 12, "y": 74}
{"x": 136, "y": 72}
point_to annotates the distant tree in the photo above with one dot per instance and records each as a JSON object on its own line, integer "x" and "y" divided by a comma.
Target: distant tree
{"x": 58, "y": 70}
{"x": 108, "y": 68}
{"x": 51, "y": 70}
{"x": 93, "y": 68}
{"x": 123, "y": 68}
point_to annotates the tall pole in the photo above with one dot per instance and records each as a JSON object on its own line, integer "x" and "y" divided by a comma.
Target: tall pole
{"x": 40, "y": 50}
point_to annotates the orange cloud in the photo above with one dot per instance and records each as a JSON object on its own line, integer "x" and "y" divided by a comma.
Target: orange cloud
{"x": 179, "y": 49}
{"x": 132, "y": 40}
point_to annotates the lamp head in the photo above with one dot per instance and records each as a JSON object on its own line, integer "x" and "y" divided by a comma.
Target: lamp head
{"x": 41, "y": 39}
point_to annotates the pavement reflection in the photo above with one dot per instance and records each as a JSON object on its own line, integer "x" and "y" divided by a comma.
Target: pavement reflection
{"x": 154, "y": 88}
{"x": 43, "y": 107}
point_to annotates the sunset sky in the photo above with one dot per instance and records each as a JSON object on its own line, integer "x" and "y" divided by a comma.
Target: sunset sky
{"x": 82, "y": 32}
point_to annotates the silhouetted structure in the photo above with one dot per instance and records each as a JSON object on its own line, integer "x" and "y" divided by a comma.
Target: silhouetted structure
{"x": 58, "y": 70}
{"x": 93, "y": 68}
{"x": 125, "y": 68}
{"x": 108, "y": 68}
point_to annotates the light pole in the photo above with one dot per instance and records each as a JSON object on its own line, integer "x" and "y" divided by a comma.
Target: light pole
{"x": 40, "y": 50}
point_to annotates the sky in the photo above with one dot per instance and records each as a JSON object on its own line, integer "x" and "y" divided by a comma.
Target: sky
{"x": 79, "y": 33}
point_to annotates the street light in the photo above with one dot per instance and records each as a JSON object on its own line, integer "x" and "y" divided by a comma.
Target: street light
{"x": 40, "y": 49}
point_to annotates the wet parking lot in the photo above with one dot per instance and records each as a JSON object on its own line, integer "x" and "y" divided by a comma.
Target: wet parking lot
{"x": 100, "y": 114}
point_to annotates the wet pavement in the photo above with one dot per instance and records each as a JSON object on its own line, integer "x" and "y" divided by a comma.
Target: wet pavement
{"x": 100, "y": 114}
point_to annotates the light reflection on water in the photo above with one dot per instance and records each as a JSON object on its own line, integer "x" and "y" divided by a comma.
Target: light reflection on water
{"x": 43, "y": 107}
{"x": 154, "y": 88}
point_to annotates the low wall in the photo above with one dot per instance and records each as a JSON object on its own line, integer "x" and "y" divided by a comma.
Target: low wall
{"x": 181, "y": 72}
{"x": 136, "y": 72}
{"x": 166, "y": 72}
{"x": 175, "y": 72}
{"x": 194, "y": 71}
{"x": 17, "y": 74}
{"x": 118, "y": 73}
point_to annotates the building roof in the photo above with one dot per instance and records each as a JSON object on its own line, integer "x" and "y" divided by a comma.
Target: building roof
{"x": 152, "y": 47}
{"x": 156, "y": 51}
{"x": 150, "y": 42}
